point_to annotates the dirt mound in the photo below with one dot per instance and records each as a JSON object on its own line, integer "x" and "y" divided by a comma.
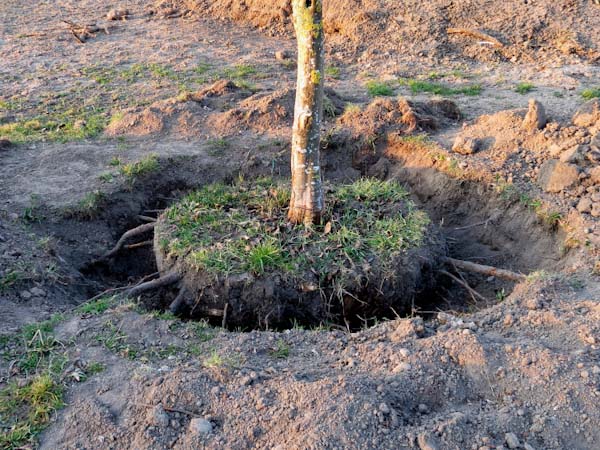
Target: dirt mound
{"x": 358, "y": 132}
{"x": 558, "y": 158}
{"x": 517, "y": 30}
{"x": 183, "y": 116}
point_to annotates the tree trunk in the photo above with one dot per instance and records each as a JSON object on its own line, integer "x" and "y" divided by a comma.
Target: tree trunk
{"x": 306, "y": 204}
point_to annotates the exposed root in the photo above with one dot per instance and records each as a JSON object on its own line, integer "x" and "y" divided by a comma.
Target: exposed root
{"x": 477, "y": 35}
{"x": 121, "y": 242}
{"x": 119, "y": 289}
{"x": 138, "y": 245}
{"x": 177, "y": 305}
{"x": 486, "y": 270}
{"x": 165, "y": 280}
{"x": 83, "y": 32}
{"x": 464, "y": 284}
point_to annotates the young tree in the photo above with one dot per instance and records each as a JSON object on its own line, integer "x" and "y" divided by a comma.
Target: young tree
{"x": 307, "y": 203}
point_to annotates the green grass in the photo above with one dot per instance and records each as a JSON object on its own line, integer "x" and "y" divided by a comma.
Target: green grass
{"x": 282, "y": 350}
{"x": 214, "y": 360}
{"x": 71, "y": 125}
{"x": 524, "y": 88}
{"x": 226, "y": 230}
{"x": 379, "y": 89}
{"x": 26, "y": 410}
{"x": 239, "y": 71}
{"x": 589, "y": 94}
{"x": 333, "y": 72}
{"x": 144, "y": 166}
{"x": 217, "y": 146}
{"x": 420, "y": 86}
{"x": 89, "y": 206}
{"x": 96, "y": 307}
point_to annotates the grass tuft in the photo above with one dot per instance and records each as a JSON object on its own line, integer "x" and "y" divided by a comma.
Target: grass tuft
{"x": 589, "y": 94}
{"x": 419, "y": 86}
{"x": 379, "y": 89}
{"x": 140, "y": 168}
{"x": 524, "y": 88}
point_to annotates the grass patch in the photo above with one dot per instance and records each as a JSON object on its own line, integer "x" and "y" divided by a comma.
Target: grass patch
{"x": 420, "y": 86}
{"x": 379, "y": 89}
{"x": 26, "y": 410}
{"x": 239, "y": 71}
{"x": 145, "y": 166}
{"x": 333, "y": 72}
{"x": 524, "y": 88}
{"x": 589, "y": 94}
{"x": 71, "y": 125}
{"x": 96, "y": 307}
{"x": 89, "y": 206}
{"x": 225, "y": 230}
{"x": 282, "y": 350}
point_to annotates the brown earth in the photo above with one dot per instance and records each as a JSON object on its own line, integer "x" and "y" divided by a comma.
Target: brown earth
{"x": 518, "y": 370}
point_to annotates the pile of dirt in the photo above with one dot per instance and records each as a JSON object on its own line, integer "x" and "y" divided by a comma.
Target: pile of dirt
{"x": 358, "y": 133}
{"x": 526, "y": 147}
{"x": 518, "y": 31}
{"x": 222, "y": 109}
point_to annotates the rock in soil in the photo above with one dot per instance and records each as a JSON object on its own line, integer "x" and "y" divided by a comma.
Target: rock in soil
{"x": 536, "y": 116}
{"x": 588, "y": 114}
{"x": 466, "y": 145}
{"x": 200, "y": 426}
{"x": 555, "y": 175}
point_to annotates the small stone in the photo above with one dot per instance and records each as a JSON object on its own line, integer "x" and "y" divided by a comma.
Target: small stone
{"x": 596, "y": 370}
{"x": 25, "y": 295}
{"x": 246, "y": 381}
{"x": 584, "y": 205}
{"x": 282, "y": 55}
{"x": 512, "y": 440}
{"x": 37, "y": 292}
{"x": 423, "y": 408}
{"x": 585, "y": 374}
{"x": 526, "y": 446}
{"x": 427, "y": 442}
{"x": 588, "y": 114}
{"x": 595, "y": 212}
{"x": 384, "y": 408}
{"x": 5, "y": 144}
{"x": 555, "y": 176}
{"x": 593, "y": 156}
{"x": 402, "y": 367}
{"x": 535, "y": 119}
{"x": 159, "y": 417}
{"x": 117, "y": 14}
{"x": 404, "y": 352}
{"x": 595, "y": 175}
{"x": 200, "y": 426}
{"x": 466, "y": 145}
{"x": 575, "y": 155}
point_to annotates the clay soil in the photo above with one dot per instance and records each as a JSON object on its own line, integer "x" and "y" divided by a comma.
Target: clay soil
{"x": 101, "y": 136}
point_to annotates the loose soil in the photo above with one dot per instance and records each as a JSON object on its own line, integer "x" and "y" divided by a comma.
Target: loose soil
{"x": 115, "y": 130}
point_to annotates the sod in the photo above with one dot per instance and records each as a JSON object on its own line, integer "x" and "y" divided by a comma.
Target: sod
{"x": 240, "y": 258}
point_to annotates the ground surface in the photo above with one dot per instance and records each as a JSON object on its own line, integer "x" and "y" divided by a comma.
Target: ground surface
{"x": 127, "y": 122}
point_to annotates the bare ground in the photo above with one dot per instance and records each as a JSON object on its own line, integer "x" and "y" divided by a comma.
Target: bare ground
{"x": 459, "y": 374}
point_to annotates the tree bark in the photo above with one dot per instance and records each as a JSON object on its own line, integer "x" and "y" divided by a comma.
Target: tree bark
{"x": 307, "y": 204}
